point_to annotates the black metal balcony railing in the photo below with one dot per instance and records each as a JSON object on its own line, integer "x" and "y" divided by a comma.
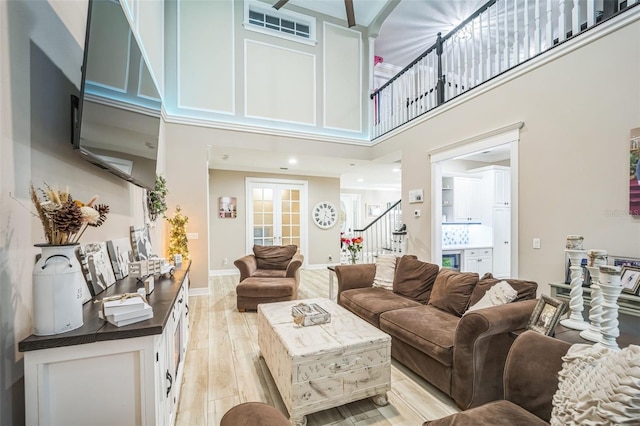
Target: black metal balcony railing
{"x": 497, "y": 37}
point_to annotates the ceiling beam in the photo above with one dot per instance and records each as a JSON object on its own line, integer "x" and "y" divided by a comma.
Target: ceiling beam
{"x": 280, "y": 3}
{"x": 351, "y": 17}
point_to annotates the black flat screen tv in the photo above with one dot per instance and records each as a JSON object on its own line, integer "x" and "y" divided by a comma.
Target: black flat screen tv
{"x": 116, "y": 120}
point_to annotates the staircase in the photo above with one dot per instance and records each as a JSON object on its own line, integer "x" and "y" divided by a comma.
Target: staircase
{"x": 383, "y": 235}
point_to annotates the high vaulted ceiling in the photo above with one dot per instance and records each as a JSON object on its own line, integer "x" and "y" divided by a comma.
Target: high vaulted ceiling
{"x": 405, "y": 29}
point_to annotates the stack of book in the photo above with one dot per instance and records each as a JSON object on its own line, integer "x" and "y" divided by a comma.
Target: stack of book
{"x": 125, "y": 310}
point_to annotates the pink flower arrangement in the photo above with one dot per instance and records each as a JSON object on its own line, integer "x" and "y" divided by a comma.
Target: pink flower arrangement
{"x": 353, "y": 245}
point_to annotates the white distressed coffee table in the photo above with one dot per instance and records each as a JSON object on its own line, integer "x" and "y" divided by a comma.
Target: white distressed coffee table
{"x": 323, "y": 366}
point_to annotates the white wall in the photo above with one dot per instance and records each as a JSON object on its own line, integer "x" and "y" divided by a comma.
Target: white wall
{"x": 227, "y": 73}
{"x": 228, "y": 236}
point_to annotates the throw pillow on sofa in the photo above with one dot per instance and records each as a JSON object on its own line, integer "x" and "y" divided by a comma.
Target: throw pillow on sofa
{"x": 526, "y": 289}
{"x": 500, "y": 294}
{"x": 385, "y": 271}
{"x": 452, "y": 290}
{"x": 598, "y": 386}
{"x": 414, "y": 279}
{"x": 274, "y": 257}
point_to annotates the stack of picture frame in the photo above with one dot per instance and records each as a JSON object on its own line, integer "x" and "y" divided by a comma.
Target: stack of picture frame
{"x": 105, "y": 262}
{"x": 630, "y": 278}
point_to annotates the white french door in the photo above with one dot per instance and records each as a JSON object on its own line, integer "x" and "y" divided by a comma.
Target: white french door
{"x": 276, "y": 212}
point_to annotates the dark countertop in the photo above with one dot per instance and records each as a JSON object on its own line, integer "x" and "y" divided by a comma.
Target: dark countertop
{"x": 94, "y": 329}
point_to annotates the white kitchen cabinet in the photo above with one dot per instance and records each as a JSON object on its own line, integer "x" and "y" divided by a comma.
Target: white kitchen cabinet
{"x": 502, "y": 187}
{"x": 467, "y": 197}
{"x": 478, "y": 260}
{"x": 502, "y": 242}
{"x": 103, "y": 374}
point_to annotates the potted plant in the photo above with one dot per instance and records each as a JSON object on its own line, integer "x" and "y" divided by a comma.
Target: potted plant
{"x": 156, "y": 199}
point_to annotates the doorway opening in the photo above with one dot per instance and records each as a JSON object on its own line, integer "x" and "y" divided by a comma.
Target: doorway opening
{"x": 475, "y": 204}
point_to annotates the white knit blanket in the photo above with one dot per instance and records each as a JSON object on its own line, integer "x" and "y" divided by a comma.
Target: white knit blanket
{"x": 598, "y": 386}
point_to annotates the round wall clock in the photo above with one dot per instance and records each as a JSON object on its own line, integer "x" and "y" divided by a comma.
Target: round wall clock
{"x": 324, "y": 214}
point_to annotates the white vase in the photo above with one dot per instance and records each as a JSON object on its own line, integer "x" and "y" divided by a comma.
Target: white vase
{"x": 57, "y": 290}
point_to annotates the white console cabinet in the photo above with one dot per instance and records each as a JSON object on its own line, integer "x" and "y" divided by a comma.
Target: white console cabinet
{"x": 100, "y": 374}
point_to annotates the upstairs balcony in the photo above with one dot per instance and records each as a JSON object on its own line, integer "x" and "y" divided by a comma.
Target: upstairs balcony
{"x": 499, "y": 36}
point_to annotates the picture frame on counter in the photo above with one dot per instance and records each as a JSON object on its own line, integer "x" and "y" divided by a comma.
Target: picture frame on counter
{"x": 630, "y": 279}
{"x": 623, "y": 261}
{"x": 546, "y": 315}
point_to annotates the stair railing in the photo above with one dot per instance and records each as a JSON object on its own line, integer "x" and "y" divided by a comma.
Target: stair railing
{"x": 377, "y": 236}
{"x": 497, "y": 37}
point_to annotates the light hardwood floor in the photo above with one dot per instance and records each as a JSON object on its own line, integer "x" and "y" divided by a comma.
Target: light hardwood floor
{"x": 222, "y": 368}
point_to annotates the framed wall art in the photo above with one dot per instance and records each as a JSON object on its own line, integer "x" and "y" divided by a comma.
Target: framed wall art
{"x": 634, "y": 173}
{"x": 373, "y": 210}
{"x": 227, "y": 207}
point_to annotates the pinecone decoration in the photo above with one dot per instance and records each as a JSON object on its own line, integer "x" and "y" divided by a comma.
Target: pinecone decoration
{"x": 68, "y": 218}
{"x": 103, "y": 209}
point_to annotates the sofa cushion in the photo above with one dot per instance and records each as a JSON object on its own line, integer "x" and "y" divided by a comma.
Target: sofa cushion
{"x": 598, "y": 385}
{"x": 496, "y": 413}
{"x": 270, "y": 273}
{"x": 526, "y": 289}
{"x": 500, "y": 294}
{"x": 414, "y": 279}
{"x": 385, "y": 271}
{"x": 452, "y": 290}
{"x": 274, "y": 257}
{"x": 266, "y": 287}
{"x": 368, "y": 303}
{"x": 426, "y": 328}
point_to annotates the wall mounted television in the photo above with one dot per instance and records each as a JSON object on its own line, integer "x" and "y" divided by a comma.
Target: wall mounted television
{"x": 116, "y": 119}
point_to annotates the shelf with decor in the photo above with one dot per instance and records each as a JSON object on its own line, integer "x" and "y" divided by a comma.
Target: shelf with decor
{"x": 628, "y": 303}
{"x": 117, "y": 375}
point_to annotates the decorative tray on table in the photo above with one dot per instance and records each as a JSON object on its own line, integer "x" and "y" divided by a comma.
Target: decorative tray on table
{"x": 309, "y": 314}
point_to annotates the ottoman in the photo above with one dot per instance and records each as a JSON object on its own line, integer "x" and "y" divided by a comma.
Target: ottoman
{"x": 254, "y": 414}
{"x": 254, "y": 290}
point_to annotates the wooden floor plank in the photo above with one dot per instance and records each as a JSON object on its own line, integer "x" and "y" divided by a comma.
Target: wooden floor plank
{"x": 223, "y": 368}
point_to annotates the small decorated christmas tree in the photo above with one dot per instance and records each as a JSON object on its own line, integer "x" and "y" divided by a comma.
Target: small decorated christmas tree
{"x": 178, "y": 243}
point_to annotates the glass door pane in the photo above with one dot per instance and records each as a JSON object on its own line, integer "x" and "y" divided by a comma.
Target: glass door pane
{"x": 263, "y": 216}
{"x": 275, "y": 212}
{"x": 290, "y": 214}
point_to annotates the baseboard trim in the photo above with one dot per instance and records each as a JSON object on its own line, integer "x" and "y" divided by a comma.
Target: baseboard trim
{"x": 219, "y": 272}
{"x": 200, "y": 291}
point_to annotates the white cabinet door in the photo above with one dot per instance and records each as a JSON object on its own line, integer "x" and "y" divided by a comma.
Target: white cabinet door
{"x": 502, "y": 242}
{"x": 479, "y": 261}
{"x": 466, "y": 199}
{"x": 502, "y": 188}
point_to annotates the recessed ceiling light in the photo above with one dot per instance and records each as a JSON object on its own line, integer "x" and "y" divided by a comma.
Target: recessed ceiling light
{"x": 293, "y": 161}
{"x": 396, "y": 170}
{"x": 360, "y": 180}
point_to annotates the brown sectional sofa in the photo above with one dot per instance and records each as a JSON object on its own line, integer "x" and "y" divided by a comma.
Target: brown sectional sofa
{"x": 530, "y": 381}
{"x": 463, "y": 356}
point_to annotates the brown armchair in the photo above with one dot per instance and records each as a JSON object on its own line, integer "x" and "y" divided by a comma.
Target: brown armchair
{"x": 270, "y": 274}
